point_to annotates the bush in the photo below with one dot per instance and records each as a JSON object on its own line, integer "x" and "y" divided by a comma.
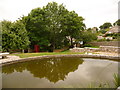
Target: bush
{"x": 103, "y": 31}
{"x": 101, "y": 40}
{"x": 87, "y": 45}
{"x": 108, "y": 40}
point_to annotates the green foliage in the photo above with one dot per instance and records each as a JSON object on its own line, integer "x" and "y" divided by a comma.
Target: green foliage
{"x": 89, "y": 29}
{"x": 114, "y": 35}
{"x": 101, "y": 40}
{"x": 14, "y": 36}
{"x": 74, "y": 25}
{"x": 88, "y": 36}
{"x": 100, "y": 85}
{"x": 51, "y": 25}
{"x": 103, "y": 31}
{"x": 105, "y": 25}
{"x": 25, "y": 55}
{"x": 87, "y": 45}
{"x": 55, "y": 15}
{"x": 117, "y": 22}
{"x": 0, "y": 49}
{"x": 116, "y": 80}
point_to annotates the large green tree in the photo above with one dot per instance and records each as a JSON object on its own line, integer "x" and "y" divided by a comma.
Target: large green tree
{"x": 51, "y": 25}
{"x": 88, "y": 36}
{"x": 74, "y": 26}
{"x": 35, "y": 24}
{"x": 14, "y": 36}
{"x": 54, "y": 15}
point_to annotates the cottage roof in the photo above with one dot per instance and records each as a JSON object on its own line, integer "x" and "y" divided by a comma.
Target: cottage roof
{"x": 115, "y": 29}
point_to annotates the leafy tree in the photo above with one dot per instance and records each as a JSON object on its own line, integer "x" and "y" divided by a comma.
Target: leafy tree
{"x": 54, "y": 15}
{"x": 36, "y": 26}
{"x": 117, "y": 22}
{"x": 7, "y": 36}
{"x": 89, "y": 29}
{"x": 105, "y": 25}
{"x": 95, "y": 29}
{"x": 51, "y": 25}
{"x": 88, "y": 36}
{"x": 74, "y": 25}
{"x": 103, "y": 31}
{"x": 44, "y": 25}
{"x": 14, "y": 36}
{"x": 22, "y": 39}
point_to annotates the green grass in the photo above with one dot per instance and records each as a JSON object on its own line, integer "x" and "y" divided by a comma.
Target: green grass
{"x": 116, "y": 80}
{"x": 94, "y": 47}
{"x": 25, "y": 55}
{"x": 100, "y": 85}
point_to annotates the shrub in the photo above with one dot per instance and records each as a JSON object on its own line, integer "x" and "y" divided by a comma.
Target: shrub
{"x": 87, "y": 45}
{"x": 101, "y": 40}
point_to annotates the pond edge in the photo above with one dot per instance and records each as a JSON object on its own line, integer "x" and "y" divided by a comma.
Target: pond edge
{"x": 116, "y": 58}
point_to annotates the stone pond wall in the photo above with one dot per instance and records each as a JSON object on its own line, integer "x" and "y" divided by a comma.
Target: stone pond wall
{"x": 112, "y": 49}
{"x": 86, "y": 49}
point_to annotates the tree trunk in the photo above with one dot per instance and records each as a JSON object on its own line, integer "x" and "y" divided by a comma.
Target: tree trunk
{"x": 71, "y": 41}
{"x": 23, "y": 50}
{"x": 28, "y": 50}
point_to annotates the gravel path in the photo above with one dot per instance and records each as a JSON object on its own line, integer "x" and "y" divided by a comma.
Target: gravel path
{"x": 9, "y": 58}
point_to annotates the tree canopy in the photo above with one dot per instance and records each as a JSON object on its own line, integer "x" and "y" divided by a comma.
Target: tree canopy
{"x": 74, "y": 25}
{"x": 117, "y": 22}
{"x": 50, "y": 25}
{"x": 14, "y": 36}
{"x": 106, "y": 25}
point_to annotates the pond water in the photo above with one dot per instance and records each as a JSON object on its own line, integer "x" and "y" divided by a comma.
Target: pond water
{"x": 60, "y": 72}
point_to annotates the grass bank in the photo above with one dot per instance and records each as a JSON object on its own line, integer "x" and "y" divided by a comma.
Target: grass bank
{"x": 25, "y": 55}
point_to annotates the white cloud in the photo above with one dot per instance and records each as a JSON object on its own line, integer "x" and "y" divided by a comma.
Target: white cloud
{"x": 95, "y": 12}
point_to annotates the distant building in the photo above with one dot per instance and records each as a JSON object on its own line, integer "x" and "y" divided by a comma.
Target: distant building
{"x": 110, "y": 38}
{"x": 100, "y": 37}
{"x": 94, "y": 29}
{"x": 115, "y": 29}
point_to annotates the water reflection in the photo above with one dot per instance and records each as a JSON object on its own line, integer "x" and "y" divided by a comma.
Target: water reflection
{"x": 53, "y": 69}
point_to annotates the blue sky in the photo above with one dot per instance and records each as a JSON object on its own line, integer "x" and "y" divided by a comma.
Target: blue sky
{"x": 95, "y": 12}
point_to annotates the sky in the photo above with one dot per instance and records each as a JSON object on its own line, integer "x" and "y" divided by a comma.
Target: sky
{"x": 95, "y": 12}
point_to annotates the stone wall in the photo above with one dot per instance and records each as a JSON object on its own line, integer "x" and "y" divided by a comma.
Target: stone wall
{"x": 111, "y": 49}
{"x": 86, "y": 49}
{"x": 106, "y": 43}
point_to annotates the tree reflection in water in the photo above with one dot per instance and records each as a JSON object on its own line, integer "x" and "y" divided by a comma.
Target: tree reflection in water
{"x": 53, "y": 69}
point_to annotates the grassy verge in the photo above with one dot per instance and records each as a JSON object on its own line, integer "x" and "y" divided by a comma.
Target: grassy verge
{"x": 25, "y": 55}
{"x": 94, "y": 47}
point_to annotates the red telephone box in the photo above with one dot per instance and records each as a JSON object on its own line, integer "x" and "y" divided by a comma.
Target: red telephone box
{"x": 36, "y": 48}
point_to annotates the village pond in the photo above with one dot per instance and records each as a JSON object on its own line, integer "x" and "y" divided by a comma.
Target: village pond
{"x": 59, "y": 72}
